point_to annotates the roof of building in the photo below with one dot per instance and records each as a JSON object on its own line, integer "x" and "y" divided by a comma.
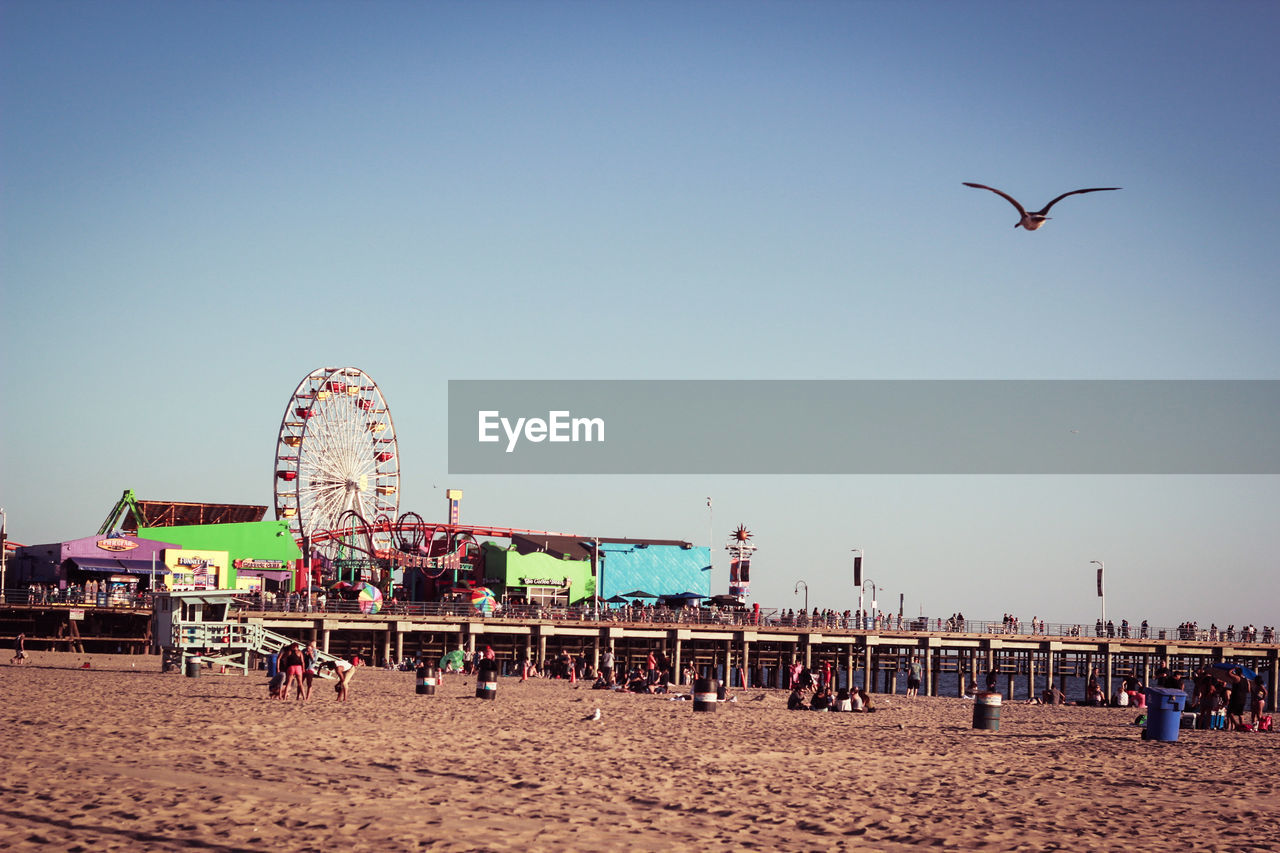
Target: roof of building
{"x": 578, "y": 548}
{"x": 177, "y": 513}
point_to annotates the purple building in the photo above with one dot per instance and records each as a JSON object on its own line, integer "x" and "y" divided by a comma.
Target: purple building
{"x": 116, "y": 565}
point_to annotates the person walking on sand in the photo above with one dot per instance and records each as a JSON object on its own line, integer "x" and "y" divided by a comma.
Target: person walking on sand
{"x": 20, "y": 650}
{"x": 914, "y": 671}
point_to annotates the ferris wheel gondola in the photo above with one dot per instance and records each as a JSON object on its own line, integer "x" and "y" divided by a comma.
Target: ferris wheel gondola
{"x": 336, "y": 453}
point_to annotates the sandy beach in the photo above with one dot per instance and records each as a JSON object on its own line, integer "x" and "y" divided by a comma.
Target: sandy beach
{"x": 123, "y": 757}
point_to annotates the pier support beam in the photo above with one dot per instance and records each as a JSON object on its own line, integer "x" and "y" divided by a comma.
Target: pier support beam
{"x": 1110, "y": 667}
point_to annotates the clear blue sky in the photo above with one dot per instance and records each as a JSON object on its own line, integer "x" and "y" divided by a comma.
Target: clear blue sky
{"x": 204, "y": 201}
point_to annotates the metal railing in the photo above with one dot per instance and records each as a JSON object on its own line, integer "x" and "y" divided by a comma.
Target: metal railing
{"x": 765, "y": 617}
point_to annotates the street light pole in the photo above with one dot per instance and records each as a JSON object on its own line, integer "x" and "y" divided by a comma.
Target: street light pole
{"x": 711, "y": 537}
{"x": 857, "y": 578}
{"x": 867, "y": 622}
{"x": 1102, "y": 589}
{"x": 796, "y": 591}
{"x": 4, "y": 549}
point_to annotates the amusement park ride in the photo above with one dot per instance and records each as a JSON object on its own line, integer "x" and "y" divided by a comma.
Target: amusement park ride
{"x": 336, "y": 480}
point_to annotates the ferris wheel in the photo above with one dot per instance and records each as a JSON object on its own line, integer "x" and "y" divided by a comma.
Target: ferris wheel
{"x": 336, "y": 452}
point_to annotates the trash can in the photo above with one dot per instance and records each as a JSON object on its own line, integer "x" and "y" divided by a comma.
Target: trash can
{"x": 427, "y": 678}
{"x": 193, "y": 667}
{"x": 487, "y": 680}
{"x": 273, "y": 665}
{"x": 1164, "y": 713}
{"x": 986, "y": 711}
{"x": 706, "y": 693}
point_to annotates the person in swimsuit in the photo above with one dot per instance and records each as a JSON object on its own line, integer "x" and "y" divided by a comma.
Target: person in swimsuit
{"x": 345, "y": 671}
{"x": 310, "y": 658}
{"x": 292, "y": 664}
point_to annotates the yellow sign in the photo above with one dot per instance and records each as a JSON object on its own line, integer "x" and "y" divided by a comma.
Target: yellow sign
{"x": 194, "y": 569}
{"x": 116, "y": 544}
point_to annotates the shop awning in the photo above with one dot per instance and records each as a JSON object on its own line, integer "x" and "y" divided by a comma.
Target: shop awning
{"x": 135, "y": 567}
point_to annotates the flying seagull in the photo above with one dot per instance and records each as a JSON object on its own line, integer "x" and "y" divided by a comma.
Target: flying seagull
{"x": 1032, "y": 221}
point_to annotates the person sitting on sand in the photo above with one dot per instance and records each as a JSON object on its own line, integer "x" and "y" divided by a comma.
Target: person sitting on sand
{"x": 796, "y": 701}
{"x": 637, "y": 682}
{"x": 855, "y": 700}
{"x": 866, "y": 701}
{"x": 843, "y": 701}
{"x": 821, "y": 700}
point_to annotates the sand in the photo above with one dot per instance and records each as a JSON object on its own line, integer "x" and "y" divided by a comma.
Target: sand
{"x": 123, "y": 757}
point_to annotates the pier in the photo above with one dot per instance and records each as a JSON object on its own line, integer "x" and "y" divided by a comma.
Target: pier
{"x": 743, "y": 655}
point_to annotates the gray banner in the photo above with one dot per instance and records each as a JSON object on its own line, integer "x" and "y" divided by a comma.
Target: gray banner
{"x": 864, "y": 427}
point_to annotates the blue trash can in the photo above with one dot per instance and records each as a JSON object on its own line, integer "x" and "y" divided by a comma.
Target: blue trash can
{"x": 1164, "y": 713}
{"x": 272, "y": 671}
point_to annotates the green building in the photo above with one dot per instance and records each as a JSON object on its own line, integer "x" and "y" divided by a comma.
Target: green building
{"x": 263, "y": 549}
{"x": 537, "y": 578}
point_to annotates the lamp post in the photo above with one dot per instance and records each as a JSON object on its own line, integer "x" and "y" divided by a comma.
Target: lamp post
{"x": 796, "y": 591}
{"x": 857, "y": 579}
{"x": 4, "y": 549}
{"x": 1102, "y": 589}
{"x": 865, "y": 621}
{"x": 598, "y": 570}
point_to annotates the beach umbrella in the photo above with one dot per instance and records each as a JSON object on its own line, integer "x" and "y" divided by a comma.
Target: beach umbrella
{"x": 483, "y": 599}
{"x": 617, "y": 599}
{"x": 688, "y": 596}
{"x": 1222, "y": 671}
{"x": 369, "y": 597}
{"x": 638, "y": 593}
{"x": 340, "y": 586}
{"x": 453, "y": 659}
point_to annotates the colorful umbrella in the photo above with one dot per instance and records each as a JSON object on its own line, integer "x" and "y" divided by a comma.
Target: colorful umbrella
{"x": 369, "y": 597}
{"x": 483, "y": 599}
{"x": 1221, "y": 671}
{"x": 453, "y": 660}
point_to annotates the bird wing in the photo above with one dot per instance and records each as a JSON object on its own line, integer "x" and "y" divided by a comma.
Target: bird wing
{"x": 1013, "y": 201}
{"x": 1074, "y": 192}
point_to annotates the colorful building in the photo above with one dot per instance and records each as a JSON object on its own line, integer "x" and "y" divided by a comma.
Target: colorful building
{"x": 537, "y": 578}
{"x": 116, "y": 566}
{"x": 255, "y": 551}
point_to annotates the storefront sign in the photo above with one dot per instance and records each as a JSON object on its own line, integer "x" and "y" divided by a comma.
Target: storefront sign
{"x": 116, "y": 544}
{"x": 194, "y": 569}
{"x": 259, "y": 564}
{"x": 542, "y": 581}
{"x": 75, "y": 615}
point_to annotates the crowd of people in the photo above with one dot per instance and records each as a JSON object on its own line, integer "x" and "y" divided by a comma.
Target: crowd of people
{"x": 1246, "y": 634}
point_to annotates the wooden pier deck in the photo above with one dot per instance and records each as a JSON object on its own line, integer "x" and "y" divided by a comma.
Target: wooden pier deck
{"x": 744, "y": 655}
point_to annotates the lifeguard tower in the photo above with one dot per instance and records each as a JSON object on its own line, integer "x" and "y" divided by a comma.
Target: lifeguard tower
{"x": 195, "y": 627}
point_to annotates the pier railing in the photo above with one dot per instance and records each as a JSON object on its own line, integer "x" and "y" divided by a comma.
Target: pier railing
{"x": 589, "y": 613}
